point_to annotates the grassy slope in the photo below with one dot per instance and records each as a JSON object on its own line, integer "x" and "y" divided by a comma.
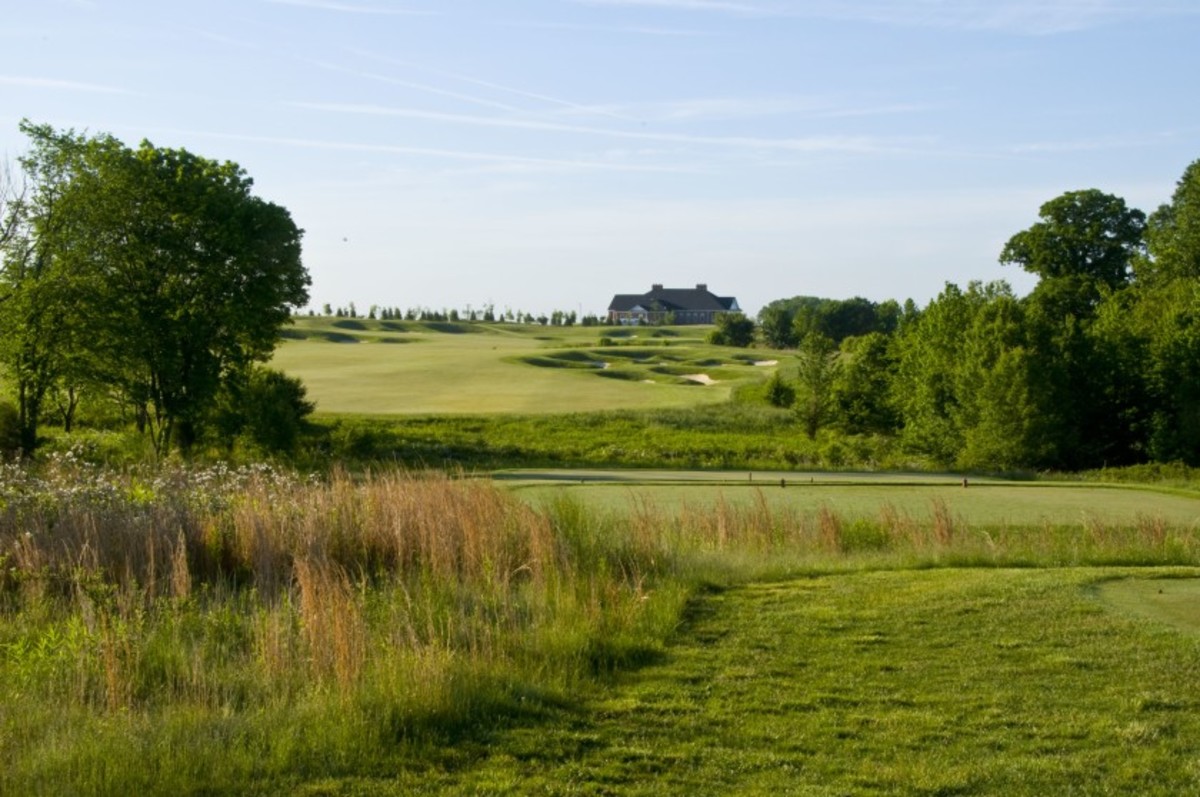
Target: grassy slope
{"x": 399, "y": 368}
{"x": 1016, "y": 682}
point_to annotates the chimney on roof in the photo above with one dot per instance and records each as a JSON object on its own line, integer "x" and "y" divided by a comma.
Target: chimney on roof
{"x": 656, "y": 287}
{"x": 701, "y": 286}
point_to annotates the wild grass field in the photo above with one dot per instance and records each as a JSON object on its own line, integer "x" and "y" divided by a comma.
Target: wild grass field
{"x": 255, "y": 632}
{"x": 416, "y": 368}
{"x": 727, "y": 619}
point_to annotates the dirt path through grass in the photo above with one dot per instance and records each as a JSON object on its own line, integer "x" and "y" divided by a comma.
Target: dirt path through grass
{"x": 930, "y": 682}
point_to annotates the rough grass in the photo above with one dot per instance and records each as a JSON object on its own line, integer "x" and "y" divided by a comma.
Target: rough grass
{"x": 255, "y": 632}
{"x": 708, "y": 436}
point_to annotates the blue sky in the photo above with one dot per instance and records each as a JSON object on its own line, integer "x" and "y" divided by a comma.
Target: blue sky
{"x": 546, "y": 154}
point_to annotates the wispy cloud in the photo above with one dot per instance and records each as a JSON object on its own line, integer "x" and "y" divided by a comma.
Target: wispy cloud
{"x": 60, "y": 85}
{"x": 348, "y": 8}
{"x": 730, "y": 108}
{"x": 1100, "y": 144}
{"x": 685, "y": 5}
{"x": 1027, "y": 17}
{"x": 422, "y": 87}
{"x": 846, "y": 144}
{"x": 636, "y": 30}
{"x": 488, "y": 84}
{"x": 225, "y": 39}
{"x": 501, "y": 159}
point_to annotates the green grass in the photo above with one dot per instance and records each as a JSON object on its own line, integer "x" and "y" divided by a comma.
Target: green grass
{"x": 954, "y": 682}
{"x": 502, "y": 368}
{"x": 1172, "y": 602}
{"x": 707, "y": 436}
{"x": 985, "y": 504}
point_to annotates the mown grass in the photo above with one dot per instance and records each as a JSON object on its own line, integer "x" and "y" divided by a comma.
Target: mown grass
{"x": 987, "y": 505}
{"x": 252, "y": 631}
{"x": 963, "y": 682}
{"x": 504, "y": 368}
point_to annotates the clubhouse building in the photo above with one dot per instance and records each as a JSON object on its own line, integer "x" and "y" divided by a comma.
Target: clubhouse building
{"x": 662, "y": 305}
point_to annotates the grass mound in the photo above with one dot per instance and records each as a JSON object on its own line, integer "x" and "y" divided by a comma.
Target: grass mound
{"x": 341, "y": 337}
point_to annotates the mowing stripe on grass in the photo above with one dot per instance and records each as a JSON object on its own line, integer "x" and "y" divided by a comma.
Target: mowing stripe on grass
{"x": 967, "y": 682}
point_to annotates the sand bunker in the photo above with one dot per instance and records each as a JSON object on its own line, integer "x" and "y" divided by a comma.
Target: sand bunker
{"x": 761, "y": 363}
{"x": 703, "y": 379}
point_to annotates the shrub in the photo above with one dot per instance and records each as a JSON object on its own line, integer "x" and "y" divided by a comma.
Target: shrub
{"x": 732, "y": 329}
{"x": 267, "y": 409}
{"x": 779, "y": 393}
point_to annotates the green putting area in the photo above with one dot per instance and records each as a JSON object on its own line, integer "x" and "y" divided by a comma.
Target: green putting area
{"x": 982, "y": 502}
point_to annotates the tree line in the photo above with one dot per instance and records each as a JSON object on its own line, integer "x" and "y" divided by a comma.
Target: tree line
{"x": 487, "y": 314}
{"x": 149, "y": 283}
{"x": 1098, "y": 365}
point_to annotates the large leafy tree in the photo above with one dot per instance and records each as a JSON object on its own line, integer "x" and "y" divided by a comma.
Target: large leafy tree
{"x": 966, "y": 384}
{"x": 1173, "y": 234}
{"x": 40, "y": 296}
{"x": 1165, "y": 321}
{"x": 1083, "y": 249}
{"x": 775, "y": 321}
{"x": 862, "y": 391}
{"x": 924, "y": 388}
{"x": 188, "y": 275}
{"x": 1086, "y": 234}
{"x": 817, "y": 373}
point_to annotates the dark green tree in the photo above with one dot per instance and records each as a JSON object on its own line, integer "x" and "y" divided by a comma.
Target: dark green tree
{"x": 924, "y": 389}
{"x": 862, "y": 391}
{"x": 732, "y": 329}
{"x": 41, "y": 294}
{"x": 1165, "y": 320}
{"x": 188, "y": 275}
{"x": 1001, "y": 419}
{"x": 1173, "y": 233}
{"x": 1083, "y": 248}
{"x": 817, "y": 373}
{"x": 778, "y": 392}
{"x": 775, "y": 321}
{"x": 838, "y": 319}
{"x": 265, "y": 408}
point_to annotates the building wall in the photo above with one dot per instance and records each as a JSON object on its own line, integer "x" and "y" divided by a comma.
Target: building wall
{"x": 681, "y": 317}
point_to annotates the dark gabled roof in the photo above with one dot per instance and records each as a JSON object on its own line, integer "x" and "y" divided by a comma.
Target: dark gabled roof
{"x": 673, "y": 300}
